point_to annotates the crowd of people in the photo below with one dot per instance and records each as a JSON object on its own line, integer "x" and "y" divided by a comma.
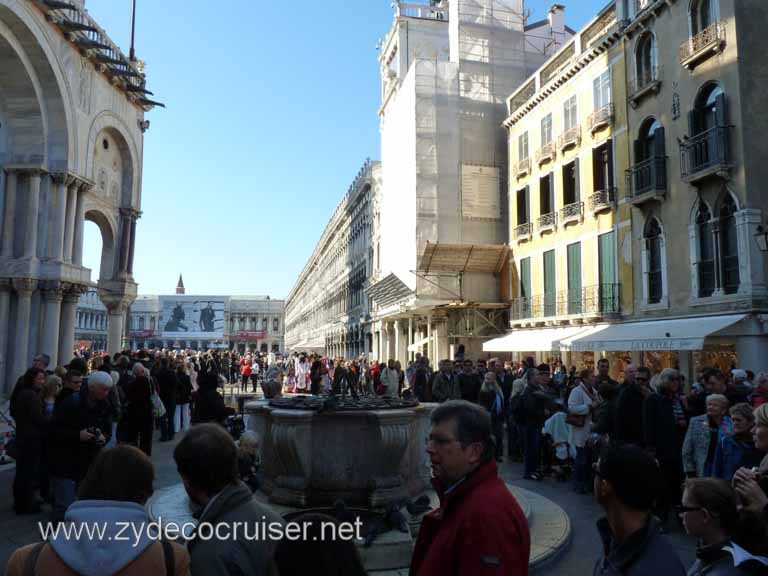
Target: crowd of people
{"x": 649, "y": 448}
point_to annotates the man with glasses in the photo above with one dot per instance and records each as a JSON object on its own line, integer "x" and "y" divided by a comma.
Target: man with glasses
{"x": 479, "y": 527}
{"x": 626, "y": 484}
{"x": 628, "y": 423}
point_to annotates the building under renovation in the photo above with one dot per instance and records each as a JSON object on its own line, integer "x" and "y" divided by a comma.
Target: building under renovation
{"x": 441, "y": 284}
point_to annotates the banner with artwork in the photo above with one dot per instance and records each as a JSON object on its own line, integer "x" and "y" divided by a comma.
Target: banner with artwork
{"x": 191, "y": 317}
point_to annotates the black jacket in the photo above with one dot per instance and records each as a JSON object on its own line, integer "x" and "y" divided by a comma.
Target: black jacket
{"x": 209, "y": 406}
{"x": 167, "y": 384}
{"x": 628, "y": 416}
{"x": 184, "y": 389}
{"x": 69, "y": 457}
{"x": 536, "y": 404}
{"x": 470, "y": 385}
{"x": 27, "y": 411}
{"x": 660, "y": 429}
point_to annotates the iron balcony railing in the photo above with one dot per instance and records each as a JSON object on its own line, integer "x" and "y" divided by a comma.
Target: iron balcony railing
{"x": 571, "y": 212}
{"x": 704, "y": 151}
{"x": 597, "y": 300}
{"x": 523, "y": 231}
{"x": 711, "y": 37}
{"x": 601, "y": 117}
{"x": 647, "y": 176}
{"x": 523, "y": 167}
{"x": 602, "y": 200}
{"x": 545, "y": 153}
{"x": 644, "y": 79}
{"x": 571, "y": 137}
{"x": 547, "y": 221}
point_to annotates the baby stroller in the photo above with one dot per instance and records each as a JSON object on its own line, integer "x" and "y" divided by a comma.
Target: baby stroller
{"x": 558, "y": 452}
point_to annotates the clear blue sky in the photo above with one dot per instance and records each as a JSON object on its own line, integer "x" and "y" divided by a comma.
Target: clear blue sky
{"x": 271, "y": 111}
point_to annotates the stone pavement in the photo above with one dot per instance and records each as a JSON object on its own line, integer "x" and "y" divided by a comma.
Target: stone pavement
{"x": 547, "y": 528}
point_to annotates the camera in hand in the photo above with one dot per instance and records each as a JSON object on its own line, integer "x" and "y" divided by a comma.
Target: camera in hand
{"x": 98, "y": 435}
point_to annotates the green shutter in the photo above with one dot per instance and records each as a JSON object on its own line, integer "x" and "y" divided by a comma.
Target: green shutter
{"x": 574, "y": 278}
{"x": 550, "y": 288}
{"x": 607, "y": 292}
{"x": 525, "y": 287}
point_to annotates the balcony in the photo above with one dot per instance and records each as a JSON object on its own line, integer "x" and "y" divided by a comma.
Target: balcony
{"x": 594, "y": 302}
{"x": 547, "y": 222}
{"x": 601, "y": 118}
{"x": 647, "y": 180}
{"x": 569, "y": 138}
{"x": 523, "y": 168}
{"x": 706, "y": 155}
{"x": 571, "y": 213}
{"x": 523, "y": 232}
{"x": 645, "y": 83}
{"x": 602, "y": 201}
{"x": 546, "y": 153}
{"x": 705, "y": 44}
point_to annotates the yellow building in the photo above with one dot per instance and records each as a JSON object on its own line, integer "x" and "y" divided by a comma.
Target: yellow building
{"x": 568, "y": 150}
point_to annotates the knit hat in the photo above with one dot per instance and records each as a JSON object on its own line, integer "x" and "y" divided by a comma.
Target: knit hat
{"x": 101, "y": 379}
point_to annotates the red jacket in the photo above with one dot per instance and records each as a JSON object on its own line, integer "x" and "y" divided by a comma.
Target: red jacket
{"x": 478, "y": 530}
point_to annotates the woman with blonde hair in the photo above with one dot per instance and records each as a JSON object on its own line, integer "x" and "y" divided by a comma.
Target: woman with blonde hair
{"x": 737, "y": 450}
{"x": 704, "y": 434}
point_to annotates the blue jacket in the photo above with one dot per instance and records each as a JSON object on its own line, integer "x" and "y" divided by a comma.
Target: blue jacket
{"x": 732, "y": 454}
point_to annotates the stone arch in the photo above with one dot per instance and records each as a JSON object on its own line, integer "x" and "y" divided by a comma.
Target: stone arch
{"x": 109, "y": 125}
{"x": 726, "y": 193}
{"x": 699, "y": 202}
{"x": 108, "y": 238}
{"x": 40, "y": 124}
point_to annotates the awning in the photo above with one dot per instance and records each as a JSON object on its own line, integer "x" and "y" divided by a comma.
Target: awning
{"x": 419, "y": 345}
{"x": 389, "y": 290}
{"x": 460, "y": 258}
{"x": 678, "y": 334}
{"x": 533, "y": 340}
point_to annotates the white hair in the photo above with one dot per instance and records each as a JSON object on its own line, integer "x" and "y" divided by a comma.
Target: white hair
{"x": 138, "y": 369}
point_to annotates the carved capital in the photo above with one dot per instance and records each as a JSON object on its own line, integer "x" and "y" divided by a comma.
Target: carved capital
{"x": 72, "y": 292}
{"x": 53, "y": 291}
{"x": 66, "y": 178}
{"x": 130, "y": 213}
{"x": 24, "y": 286}
{"x": 5, "y": 284}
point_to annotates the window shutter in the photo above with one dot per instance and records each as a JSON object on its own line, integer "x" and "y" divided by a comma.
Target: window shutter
{"x": 609, "y": 159}
{"x": 657, "y": 165}
{"x": 527, "y": 203}
{"x": 637, "y": 146}
{"x": 576, "y": 181}
{"x": 721, "y": 113}
{"x": 693, "y": 122}
{"x": 552, "y": 191}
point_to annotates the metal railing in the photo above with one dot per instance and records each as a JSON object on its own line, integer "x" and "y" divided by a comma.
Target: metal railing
{"x": 703, "y": 151}
{"x": 571, "y": 212}
{"x": 547, "y": 221}
{"x": 546, "y": 152}
{"x": 597, "y": 300}
{"x": 602, "y": 200}
{"x": 523, "y": 230}
{"x": 523, "y": 167}
{"x": 571, "y": 137}
{"x": 406, "y": 10}
{"x": 601, "y": 117}
{"x": 712, "y": 35}
{"x": 647, "y": 176}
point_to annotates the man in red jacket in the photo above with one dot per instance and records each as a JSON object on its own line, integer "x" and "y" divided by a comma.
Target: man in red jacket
{"x": 479, "y": 528}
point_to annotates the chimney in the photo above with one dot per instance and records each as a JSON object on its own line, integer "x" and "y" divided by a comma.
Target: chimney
{"x": 180, "y": 286}
{"x": 557, "y": 24}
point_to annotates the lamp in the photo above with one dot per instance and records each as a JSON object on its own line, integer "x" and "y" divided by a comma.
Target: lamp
{"x": 762, "y": 239}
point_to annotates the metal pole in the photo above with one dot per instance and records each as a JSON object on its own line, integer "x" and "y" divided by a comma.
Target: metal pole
{"x": 132, "y": 55}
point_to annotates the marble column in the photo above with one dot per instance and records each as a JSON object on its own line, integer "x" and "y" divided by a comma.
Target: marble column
{"x": 9, "y": 219}
{"x": 69, "y": 222}
{"x": 133, "y": 243}
{"x": 71, "y": 296}
{"x": 5, "y": 304}
{"x": 24, "y": 288}
{"x": 115, "y": 322}
{"x": 410, "y": 338}
{"x": 59, "y": 220}
{"x": 398, "y": 339}
{"x": 33, "y": 213}
{"x": 125, "y": 232}
{"x": 49, "y": 338}
{"x": 77, "y": 246}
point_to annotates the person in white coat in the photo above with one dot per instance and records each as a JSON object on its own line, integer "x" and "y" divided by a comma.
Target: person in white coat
{"x": 390, "y": 380}
{"x": 581, "y": 404}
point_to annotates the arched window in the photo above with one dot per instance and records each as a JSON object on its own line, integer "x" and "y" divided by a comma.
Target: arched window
{"x": 701, "y": 16}
{"x": 649, "y": 170}
{"x": 729, "y": 249}
{"x": 654, "y": 265}
{"x": 645, "y": 60}
{"x": 141, "y": 322}
{"x": 706, "y": 251}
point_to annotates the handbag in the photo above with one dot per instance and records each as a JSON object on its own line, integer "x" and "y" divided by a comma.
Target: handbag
{"x": 158, "y": 408}
{"x": 576, "y": 420}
